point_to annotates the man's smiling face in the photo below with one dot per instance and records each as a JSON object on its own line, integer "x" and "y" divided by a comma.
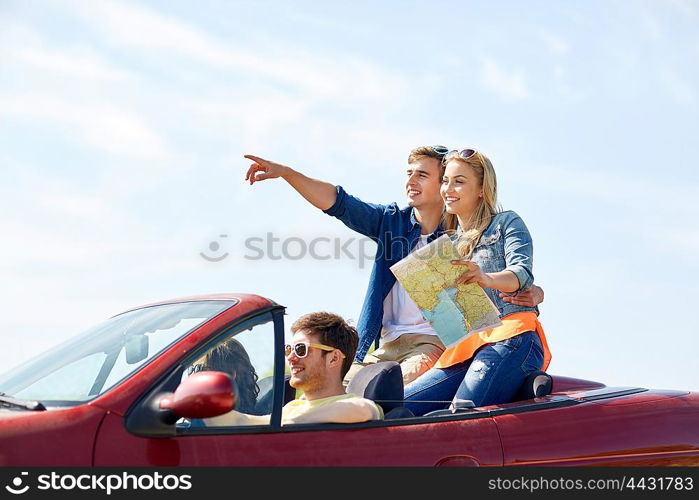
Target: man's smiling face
{"x": 423, "y": 183}
{"x": 310, "y": 372}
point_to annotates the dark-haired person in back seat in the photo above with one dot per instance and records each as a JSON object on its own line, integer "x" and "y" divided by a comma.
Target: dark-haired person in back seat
{"x": 319, "y": 356}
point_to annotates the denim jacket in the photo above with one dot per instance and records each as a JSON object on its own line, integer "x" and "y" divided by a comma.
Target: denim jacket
{"x": 396, "y": 231}
{"x": 506, "y": 245}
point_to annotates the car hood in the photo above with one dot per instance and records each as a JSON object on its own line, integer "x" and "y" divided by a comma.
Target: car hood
{"x": 15, "y": 422}
{"x": 59, "y": 436}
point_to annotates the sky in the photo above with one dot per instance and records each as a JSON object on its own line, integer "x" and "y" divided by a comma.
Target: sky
{"x": 123, "y": 125}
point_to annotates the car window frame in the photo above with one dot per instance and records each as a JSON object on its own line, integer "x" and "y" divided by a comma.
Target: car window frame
{"x": 143, "y": 419}
{"x": 275, "y": 314}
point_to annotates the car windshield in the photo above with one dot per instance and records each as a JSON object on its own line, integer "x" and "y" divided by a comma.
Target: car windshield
{"x": 90, "y": 364}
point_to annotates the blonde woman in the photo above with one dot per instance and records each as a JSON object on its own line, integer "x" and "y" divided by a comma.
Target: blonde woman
{"x": 489, "y": 367}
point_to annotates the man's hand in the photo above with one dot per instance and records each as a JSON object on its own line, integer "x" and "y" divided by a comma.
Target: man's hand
{"x": 531, "y": 297}
{"x": 262, "y": 169}
{"x": 320, "y": 194}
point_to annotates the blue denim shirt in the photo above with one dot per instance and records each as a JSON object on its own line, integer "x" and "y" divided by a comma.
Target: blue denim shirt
{"x": 396, "y": 232}
{"x": 506, "y": 245}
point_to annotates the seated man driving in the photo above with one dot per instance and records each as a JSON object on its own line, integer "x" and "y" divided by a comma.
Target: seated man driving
{"x": 319, "y": 357}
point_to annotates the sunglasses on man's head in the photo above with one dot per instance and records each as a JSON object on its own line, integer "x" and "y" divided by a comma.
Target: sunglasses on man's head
{"x": 464, "y": 154}
{"x": 300, "y": 349}
{"x": 440, "y": 149}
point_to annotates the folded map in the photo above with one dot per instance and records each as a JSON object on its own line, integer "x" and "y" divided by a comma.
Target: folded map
{"x": 455, "y": 311}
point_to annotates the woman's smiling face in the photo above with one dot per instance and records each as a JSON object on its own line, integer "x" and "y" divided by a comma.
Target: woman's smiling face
{"x": 461, "y": 189}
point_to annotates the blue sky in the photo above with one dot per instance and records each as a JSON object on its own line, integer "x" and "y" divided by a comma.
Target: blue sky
{"x": 123, "y": 125}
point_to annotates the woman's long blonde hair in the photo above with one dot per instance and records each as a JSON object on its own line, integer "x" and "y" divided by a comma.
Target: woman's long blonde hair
{"x": 486, "y": 209}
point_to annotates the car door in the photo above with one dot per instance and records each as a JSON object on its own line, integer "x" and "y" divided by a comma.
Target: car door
{"x": 459, "y": 440}
{"x": 609, "y": 426}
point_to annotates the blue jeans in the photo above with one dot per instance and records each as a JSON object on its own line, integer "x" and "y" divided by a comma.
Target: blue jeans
{"x": 492, "y": 376}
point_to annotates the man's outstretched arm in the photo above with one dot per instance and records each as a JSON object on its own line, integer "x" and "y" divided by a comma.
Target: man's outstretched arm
{"x": 320, "y": 194}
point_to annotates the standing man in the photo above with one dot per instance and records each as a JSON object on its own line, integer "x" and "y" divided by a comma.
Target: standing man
{"x": 388, "y": 313}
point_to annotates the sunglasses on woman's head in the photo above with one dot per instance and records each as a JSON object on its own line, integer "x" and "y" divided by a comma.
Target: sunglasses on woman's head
{"x": 300, "y": 349}
{"x": 464, "y": 154}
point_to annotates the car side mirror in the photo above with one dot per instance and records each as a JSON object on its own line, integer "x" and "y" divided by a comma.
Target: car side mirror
{"x": 203, "y": 394}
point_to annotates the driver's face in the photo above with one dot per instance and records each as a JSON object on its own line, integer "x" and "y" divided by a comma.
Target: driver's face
{"x": 310, "y": 372}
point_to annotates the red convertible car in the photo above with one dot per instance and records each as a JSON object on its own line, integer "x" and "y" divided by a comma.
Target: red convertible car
{"x": 126, "y": 393}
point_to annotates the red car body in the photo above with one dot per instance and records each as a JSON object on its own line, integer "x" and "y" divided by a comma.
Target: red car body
{"x": 579, "y": 423}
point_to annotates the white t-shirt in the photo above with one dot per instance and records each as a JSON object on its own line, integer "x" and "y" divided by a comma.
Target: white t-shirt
{"x": 400, "y": 313}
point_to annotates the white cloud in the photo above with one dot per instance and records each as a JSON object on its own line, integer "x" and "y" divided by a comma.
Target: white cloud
{"x": 100, "y": 125}
{"x": 686, "y": 7}
{"x": 652, "y": 26}
{"x": 556, "y": 44}
{"x": 53, "y": 225}
{"x": 254, "y": 118}
{"x": 663, "y": 231}
{"x": 609, "y": 186}
{"x": 130, "y": 25}
{"x": 348, "y": 79}
{"x": 75, "y": 92}
{"x": 275, "y": 93}
{"x": 509, "y": 84}
{"x": 678, "y": 87}
{"x": 72, "y": 63}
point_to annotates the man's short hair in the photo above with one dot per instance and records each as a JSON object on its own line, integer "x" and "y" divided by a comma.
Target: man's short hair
{"x": 436, "y": 152}
{"x": 333, "y": 331}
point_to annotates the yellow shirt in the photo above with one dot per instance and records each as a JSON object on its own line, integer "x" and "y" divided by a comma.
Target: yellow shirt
{"x": 345, "y": 409}
{"x": 512, "y": 324}
{"x": 342, "y": 409}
